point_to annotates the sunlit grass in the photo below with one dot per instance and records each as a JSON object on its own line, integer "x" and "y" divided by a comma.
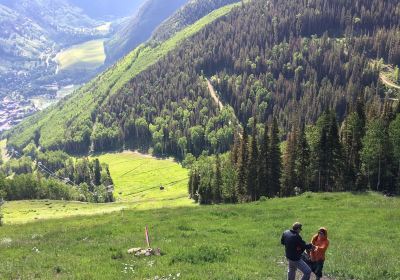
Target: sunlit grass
{"x": 212, "y": 242}
{"x": 89, "y": 55}
{"x": 17, "y": 212}
{"x": 137, "y": 180}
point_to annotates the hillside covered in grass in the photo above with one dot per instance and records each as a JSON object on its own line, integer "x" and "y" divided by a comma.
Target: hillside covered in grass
{"x": 231, "y": 241}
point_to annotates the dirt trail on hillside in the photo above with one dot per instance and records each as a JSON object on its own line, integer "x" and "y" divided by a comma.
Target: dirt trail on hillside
{"x": 387, "y": 82}
{"x": 214, "y": 95}
{"x": 216, "y": 99}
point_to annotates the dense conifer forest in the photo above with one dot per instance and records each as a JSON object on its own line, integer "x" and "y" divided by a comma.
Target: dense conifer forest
{"x": 306, "y": 72}
{"x": 361, "y": 153}
{"x": 292, "y": 67}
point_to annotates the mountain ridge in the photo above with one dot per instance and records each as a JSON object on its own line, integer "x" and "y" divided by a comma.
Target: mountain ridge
{"x": 139, "y": 28}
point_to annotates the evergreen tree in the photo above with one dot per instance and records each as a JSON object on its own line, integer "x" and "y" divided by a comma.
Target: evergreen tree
{"x": 394, "y": 133}
{"x": 289, "y": 166}
{"x": 351, "y": 135}
{"x": 252, "y": 175}
{"x": 264, "y": 163}
{"x": 334, "y": 156}
{"x": 275, "y": 160}
{"x": 235, "y": 149}
{"x": 328, "y": 153}
{"x": 302, "y": 163}
{"x": 97, "y": 172}
{"x": 217, "y": 189}
{"x": 242, "y": 167}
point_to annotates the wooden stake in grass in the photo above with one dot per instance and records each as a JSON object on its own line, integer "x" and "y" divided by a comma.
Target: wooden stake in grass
{"x": 146, "y": 232}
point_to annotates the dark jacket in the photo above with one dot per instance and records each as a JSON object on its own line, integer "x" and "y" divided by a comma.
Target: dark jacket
{"x": 294, "y": 245}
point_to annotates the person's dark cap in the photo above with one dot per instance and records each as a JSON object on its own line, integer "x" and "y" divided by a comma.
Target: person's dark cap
{"x": 297, "y": 226}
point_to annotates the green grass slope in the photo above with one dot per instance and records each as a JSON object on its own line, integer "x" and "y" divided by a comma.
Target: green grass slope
{"x": 137, "y": 180}
{"x": 215, "y": 242}
{"x": 58, "y": 123}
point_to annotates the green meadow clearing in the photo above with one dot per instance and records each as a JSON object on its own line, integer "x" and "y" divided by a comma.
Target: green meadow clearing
{"x": 211, "y": 242}
{"x": 137, "y": 180}
{"x": 89, "y": 55}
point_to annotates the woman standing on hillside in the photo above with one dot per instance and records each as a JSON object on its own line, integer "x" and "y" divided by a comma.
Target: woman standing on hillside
{"x": 321, "y": 243}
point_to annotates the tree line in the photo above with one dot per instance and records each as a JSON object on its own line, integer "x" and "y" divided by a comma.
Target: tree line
{"x": 360, "y": 153}
{"x": 55, "y": 175}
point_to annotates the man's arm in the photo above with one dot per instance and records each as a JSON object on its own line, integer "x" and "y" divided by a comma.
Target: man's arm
{"x": 283, "y": 239}
{"x": 304, "y": 245}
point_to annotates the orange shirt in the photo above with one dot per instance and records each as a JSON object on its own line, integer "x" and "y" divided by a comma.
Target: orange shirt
{"x": 322, "y": 244}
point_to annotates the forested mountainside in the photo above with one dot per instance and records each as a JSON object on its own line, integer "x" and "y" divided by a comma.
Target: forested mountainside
{"x": 63, "y": 21}
{"x": 139, "y": 28}
{"x": 69, "y": 124}
{"x": 31, "y": 34}
{"x": 288, "y": 59}
{"x": 188, "y": 14}
{"x": 28, "y": 38}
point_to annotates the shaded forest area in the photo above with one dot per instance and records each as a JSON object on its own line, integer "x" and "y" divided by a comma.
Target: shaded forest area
{"x": 361, "y": 153}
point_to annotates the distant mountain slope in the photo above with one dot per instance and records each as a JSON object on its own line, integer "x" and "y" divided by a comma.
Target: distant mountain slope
{"x": 20, "y": 36}
{"x": 63, "y": 21}
{"x": 24, "y": 45}
{"x": 189, "y": 13}
{"x": 140, "y": 27}
{"x": 280, "y": 58}
{"x": 69, "y": 124}
{"x": 108, "y": 9}
{"x": 32, "y": 32}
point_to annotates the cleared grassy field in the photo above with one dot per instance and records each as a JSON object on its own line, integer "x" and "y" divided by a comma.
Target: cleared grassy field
{"x": 137, "y": 180}
{"x": 89, "y": 55}
{"x": 213, "y": 242}
{"x": 17, "y": 212}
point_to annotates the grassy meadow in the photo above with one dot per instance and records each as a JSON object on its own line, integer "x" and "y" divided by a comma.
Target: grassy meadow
{"x": 211, "y": 242}
{"x": 89, "y": 55}
{"x": 137, "y": 180}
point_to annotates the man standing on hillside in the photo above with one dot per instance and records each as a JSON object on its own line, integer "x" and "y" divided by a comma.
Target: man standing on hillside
{"x": 294, "y": 248}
